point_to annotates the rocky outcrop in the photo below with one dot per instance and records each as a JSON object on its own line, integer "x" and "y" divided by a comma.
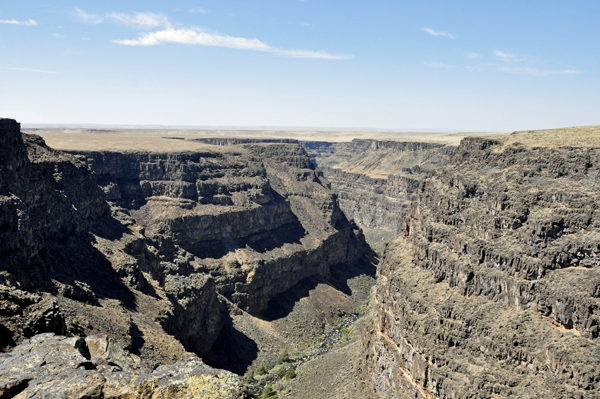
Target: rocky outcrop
{"x": 48, "y": 200}
{"x": 153, "y": 248}
{"x": 493, "y": 289}
{"x": 53, "y": 366}
{"x": 68, "y": 267}
{"x": 257, "y": 219}
{"x": 377, "y": 180}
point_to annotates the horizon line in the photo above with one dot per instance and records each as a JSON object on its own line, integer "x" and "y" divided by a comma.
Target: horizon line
{"x": 251, "y": 128}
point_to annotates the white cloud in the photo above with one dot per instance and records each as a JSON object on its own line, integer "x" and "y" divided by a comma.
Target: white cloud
{"x": 87, "y": 17}
{"x": 188, "y": 36}
{"x": 321, "y": 55}
{"x": 435, "y": 64}
{"x": 58, "y": 35}
{"x": 198, "y": 37}
{"x": 472, "y": 56}
{"x": 438, "y": 33}
{"x": 140, "y": 19}
{"x": 198, "y": 10}
{"x": 31, "y": 70}
{"x": 29, "y": 22}
{"x": 537, "y": 72}
{"x": 194, "y": 36}
{"x": 503, "y": 56}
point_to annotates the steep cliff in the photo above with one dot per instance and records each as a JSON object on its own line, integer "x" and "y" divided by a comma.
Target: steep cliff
{"x": 69, "y": 267}
{"x": 377, "y": 180}
{"x": 493, "y": 289}
{"x": 163, "y": 251}
{"x": 257, "y": 218}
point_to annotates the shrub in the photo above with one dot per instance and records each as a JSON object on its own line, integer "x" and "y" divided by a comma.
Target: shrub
{"x": 261, "y": 370}
{"x": 289, "y": 374}
{"x": 284, "y": 357}
{"x": 250, "y": 378}
{"x": 268, "y": 392}
{"x": 362, "y": 308}
{"x": 276, "y": 369}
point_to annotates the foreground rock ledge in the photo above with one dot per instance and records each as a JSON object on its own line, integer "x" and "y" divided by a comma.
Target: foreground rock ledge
{"x": 53, "y": 366}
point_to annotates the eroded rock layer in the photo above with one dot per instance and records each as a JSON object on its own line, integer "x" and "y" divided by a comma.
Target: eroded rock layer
{"x": 493, "y": 290}
{"x": 257, "y": 218}
{"x": 377, "y": 180}
{"x": 69, "y": 267}
{"x": 155, "y": 249}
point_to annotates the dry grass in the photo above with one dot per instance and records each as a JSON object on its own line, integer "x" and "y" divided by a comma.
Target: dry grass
{"x": 161, "y": 140}
{"x": 582, "y": 136}
{"x": 117, "y": 142}
{"x": 154, "y": 139}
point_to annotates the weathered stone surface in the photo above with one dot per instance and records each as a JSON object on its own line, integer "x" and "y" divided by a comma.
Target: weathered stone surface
{"x": 377, "y": 180}
{"x": 146, "y": 248}
{"x": 257, "y": 218}
{"x": 51, "y": 366}
{"x": 492, "y": 290}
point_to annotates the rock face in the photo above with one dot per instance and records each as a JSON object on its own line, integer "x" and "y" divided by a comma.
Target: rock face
{"x": 256, "y": 218}
{"x": 53, "y": 366}
{"x": 493, "y": 289}
{"x": 152, "y": 249}
{"x": 46, "y": 200}
{"x": 67, "y": 266}
{"x": 377, "y": 180}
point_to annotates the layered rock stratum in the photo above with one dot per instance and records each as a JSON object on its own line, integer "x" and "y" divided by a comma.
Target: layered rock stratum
{"x": 492, "y": 290}
{"x": 232, "y": 247}
{"x": 166, "y": 251}
{"x": 376, "y": 180}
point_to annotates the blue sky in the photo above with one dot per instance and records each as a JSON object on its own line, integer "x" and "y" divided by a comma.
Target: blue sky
{"x": 458, "y": 65}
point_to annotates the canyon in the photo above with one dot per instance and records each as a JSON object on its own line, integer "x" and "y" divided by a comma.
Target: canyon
{"x": 170, "y": 263}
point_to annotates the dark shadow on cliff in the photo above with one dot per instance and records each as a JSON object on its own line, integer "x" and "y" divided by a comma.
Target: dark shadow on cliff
{"x": 233, "y": 350}
{"x": 6, "y": 339}
{"x": 341, "y": 273}
{"x": 110, "y": 229}
{"x": 291, "y": 233}
{"x": 282, "y": 304}
{"x": 137, "y": 339}
{"x": 75, "y": 260}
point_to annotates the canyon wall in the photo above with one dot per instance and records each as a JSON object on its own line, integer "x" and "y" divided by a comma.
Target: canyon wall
{"x": 377, "y": 180}
{"x": 156, "y": 250}
{"x": 493, "y": 289}
{"x": 256, "y": 218}
{"x": 488, "y": 287}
